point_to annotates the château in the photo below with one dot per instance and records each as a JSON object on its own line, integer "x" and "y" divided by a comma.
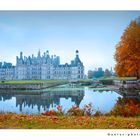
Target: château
{"x": 43, "y": 67}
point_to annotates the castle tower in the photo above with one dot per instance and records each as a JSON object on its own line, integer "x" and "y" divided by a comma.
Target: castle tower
{"x": 21, "y": 55}
{"x": 39, "y": 53}
{"x": 77, "y": 53}
{"x": 16, "y": 60}
{"x": 47, "y": 52}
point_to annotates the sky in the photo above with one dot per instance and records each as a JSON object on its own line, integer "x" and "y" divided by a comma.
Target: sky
{"x": 94, "y": 33}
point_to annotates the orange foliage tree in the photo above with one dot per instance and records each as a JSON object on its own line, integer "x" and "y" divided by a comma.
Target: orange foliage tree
{"x": 127, "y": 53}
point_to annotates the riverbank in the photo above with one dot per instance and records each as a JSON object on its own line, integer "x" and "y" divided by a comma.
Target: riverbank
{"x": 12, "y": 121}
{"x": 29, "y": 84}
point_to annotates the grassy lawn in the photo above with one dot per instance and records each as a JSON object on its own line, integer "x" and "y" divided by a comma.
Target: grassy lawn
{"x": 52, "y": 81}
{"x": 10, "y": 120}
{"x": 29, "y": 81}
{"x": 118, "y": 78}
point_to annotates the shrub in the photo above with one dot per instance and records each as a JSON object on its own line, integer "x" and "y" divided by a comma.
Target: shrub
{"x": 88, "y": 109}
{"x": 126, "y": 107}
{"x": 98, "y": 113}
{"x": 50, "y": 113}
{"x": 75, "y": 111}
{"x": 59, "y": 112}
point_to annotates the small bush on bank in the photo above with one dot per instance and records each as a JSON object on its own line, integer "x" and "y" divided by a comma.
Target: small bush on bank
{"x": 58, "y": 112}
{"x": 126, "y": 108}
{"x": 75, "y": 111}
{"x": 88, "y": 110}
{"x": 50, "y": 113}
{"x": 98, "y": 113}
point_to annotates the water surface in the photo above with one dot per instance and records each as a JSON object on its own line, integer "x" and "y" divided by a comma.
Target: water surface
{"x": 31, "y": 102}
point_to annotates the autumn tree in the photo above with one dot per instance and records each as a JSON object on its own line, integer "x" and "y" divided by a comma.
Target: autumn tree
{"x": 127, "y": 53}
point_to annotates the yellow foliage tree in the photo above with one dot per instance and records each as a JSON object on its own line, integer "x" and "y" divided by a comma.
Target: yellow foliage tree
{"x": 127, "y": 53}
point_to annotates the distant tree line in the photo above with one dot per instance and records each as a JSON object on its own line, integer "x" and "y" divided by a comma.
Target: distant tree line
{"x": 97, "y": 73}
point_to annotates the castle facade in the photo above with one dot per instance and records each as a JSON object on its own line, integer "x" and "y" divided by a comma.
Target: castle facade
{"x": 42, "y": 67}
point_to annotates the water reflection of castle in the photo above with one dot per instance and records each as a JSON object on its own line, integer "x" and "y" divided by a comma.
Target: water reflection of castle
{"x": 43, "y": 100}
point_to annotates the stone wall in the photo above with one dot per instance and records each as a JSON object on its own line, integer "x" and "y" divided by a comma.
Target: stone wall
{"x": 127, "y": 84}
{"x": 29, "y": 86}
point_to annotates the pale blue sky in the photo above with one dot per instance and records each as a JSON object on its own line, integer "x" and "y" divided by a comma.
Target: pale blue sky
{"x": 93, "y": 33}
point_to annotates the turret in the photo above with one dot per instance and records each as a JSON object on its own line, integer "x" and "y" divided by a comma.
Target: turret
{"x": 77, "y": 59}
{"x": 39, "y": 53}
{"x": 21, "y": 57}
{"x": 16, "y": 60}
{"x": 44, "y": 54}
{"x": 77, "y": 53}
{"x": 47, "y": 52}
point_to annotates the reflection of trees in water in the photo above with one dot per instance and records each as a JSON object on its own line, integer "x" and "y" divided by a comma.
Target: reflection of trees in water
{"x": 44, "y": 100}
{"x": 129, "y": 93}
{"x": 5, "y": 96}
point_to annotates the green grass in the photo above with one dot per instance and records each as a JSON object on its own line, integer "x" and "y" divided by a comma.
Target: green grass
{"x": 117, "y": 78}
{"x": 10, "y": 120}
{"x": 108, "y": 78}
{"x": 29, "y": 81}
{"x": 52, "y": 81}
